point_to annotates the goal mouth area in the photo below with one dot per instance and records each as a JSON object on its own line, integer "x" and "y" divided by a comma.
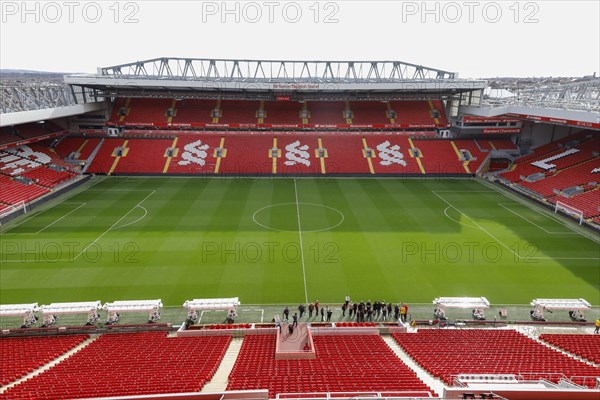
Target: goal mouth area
{"x": 569, "y": 210}
{"x": 11, "y": 209}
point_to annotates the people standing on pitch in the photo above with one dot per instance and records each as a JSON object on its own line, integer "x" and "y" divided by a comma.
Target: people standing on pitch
{"x": 597, "y": 330}
{"x": 322, "y": 314}
{"x": 329, "y": 313}
{"x": 347, "y": 300}
{"x": 344, "y": 309}
{"x": 360, "y": 317}
{"x": 231, "y": 316}
{"x": 389, "y": 310}
{"x": 383, "y": 313}
{"x": 295, "y": 318}
{"x": 403, "y": 312}
{"x": 286, "y": 314}
{"x": 311, "y": 308}
{"x": 317, "y": 307}
{"x": 277, "y": 320}
{"x": 370, "y": 313}
{"x": 301, "y": 309}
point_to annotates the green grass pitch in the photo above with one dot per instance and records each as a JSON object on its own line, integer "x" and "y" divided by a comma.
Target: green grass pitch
{"x": 272, "y": 241}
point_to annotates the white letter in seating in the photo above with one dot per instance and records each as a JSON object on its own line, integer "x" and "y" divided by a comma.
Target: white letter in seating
{"x": 194, "y": 152}
{"x": 21, "y": 158}
{"x": 390, "y": 155}
{"x": 297, "y": 154}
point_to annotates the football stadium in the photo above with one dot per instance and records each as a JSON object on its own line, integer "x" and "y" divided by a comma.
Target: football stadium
{"x": 211, "y": 228}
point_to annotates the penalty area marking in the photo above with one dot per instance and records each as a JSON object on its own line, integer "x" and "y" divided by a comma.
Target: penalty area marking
{"x": 136, "y": 221}
{"x": 478, "y": 226}
{"x": 457, "y": 221}
{"x": 113, "y": 225}
{"x": 38, "y": 214}
{"x": 75, "y": 191}
{"x": 503, "y": 205}
{"x": 56, "y": 220}
{"x": 532, "y": 206}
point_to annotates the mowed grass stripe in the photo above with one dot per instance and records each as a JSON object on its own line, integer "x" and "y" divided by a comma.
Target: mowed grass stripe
{"x": 395, "y": 243}
{"x": 525, "y": 240}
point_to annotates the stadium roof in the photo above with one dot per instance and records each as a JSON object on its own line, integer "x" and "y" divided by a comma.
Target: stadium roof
{"x": 575, "y": 103}
{"x": 226, "y": 75}
{"x": 582, "y": 95}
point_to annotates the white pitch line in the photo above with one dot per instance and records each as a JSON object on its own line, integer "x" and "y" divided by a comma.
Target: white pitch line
{"x": 25, "y": 261}
{"x": 301, "y": 245}
{"x": 137, "y": 220}
{"x": 52, "y": 223}
{"x": 117, "y": 190}
{"x": 464, "y": 191}
{"x": 504, "y": 245}
{"x": 533, "y": 223}
{"x": 261, "y": 310}
{"x": 476, "y": 224}
{"x": 76, "y": 192}
{"x": 452, "y": 219}
{"x": 532, "y": 206}
{"x": 113, "y": 225}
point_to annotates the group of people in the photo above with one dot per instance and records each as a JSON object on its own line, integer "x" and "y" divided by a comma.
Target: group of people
{"x": 324, "y": 312}
{"x": 360, "y": 311}
{"x": 378, "y": 310}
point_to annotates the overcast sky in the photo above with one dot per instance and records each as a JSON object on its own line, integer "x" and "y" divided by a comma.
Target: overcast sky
{"x": 473, "y": 38}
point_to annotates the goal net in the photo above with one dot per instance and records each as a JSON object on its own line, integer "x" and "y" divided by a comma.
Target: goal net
{"x": 567, "y": 209}
{"x": 7, "y": 210}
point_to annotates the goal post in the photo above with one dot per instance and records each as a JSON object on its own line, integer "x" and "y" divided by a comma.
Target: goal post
{"x": 9, "y": 209}
{"x": 567, "y": 209}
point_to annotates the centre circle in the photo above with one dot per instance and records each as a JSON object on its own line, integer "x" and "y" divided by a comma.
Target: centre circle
{"x": 291, "y": 217}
